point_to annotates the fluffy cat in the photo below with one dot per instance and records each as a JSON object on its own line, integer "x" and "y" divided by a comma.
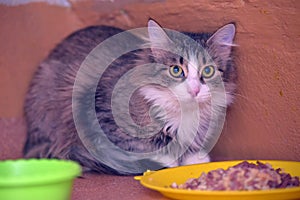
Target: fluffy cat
{"x": 48, "y": 108}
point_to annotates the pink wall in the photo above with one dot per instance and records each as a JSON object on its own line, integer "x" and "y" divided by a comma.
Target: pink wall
{"x": 264, "y": 121}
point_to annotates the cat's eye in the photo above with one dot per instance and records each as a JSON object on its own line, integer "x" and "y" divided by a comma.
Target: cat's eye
{"x": 176, "y": 71}
{"x": 208, "y": 71}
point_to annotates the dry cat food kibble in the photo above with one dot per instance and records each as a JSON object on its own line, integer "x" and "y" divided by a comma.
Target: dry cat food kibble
{"x": 243, "y": 176}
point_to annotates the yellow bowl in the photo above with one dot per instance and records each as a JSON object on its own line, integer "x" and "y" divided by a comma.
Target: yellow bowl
{"x": 162, "y": 179}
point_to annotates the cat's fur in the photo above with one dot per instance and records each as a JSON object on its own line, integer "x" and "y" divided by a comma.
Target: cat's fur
{"x": 51, "y": 129}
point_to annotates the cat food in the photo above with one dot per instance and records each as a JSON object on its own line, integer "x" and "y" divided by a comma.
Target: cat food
{"x": 243, "y": 176}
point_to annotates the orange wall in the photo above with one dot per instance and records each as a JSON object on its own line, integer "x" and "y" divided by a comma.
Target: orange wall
{"x": 264, "y": 121}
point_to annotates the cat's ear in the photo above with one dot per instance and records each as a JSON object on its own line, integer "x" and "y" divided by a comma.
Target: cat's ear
{"x": 157, "y": 35}
{"x": 158, "y": 38}
{"x": 221, "y": 42}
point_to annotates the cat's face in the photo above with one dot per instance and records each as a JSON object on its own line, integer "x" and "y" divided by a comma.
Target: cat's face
{"x": 190, "y": 78}
{"x": 190, "y": 75}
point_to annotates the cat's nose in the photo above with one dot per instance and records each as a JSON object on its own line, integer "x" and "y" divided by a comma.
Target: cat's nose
{"x": 194, "y": 91}
{"x": 193, "y": 86}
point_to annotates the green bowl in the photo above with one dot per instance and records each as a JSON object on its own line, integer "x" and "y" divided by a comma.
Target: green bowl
{"x": 37, "y": 179}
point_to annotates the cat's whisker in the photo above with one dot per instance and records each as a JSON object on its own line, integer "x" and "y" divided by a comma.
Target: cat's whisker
{"x": 248, "y": 99}
{"x": 242, "y": 96}
{"x": 229, "y": 44}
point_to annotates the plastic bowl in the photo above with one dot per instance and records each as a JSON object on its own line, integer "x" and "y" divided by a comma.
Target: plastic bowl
{"x": 162, "y": 179}
{"x": 36, "y": 179}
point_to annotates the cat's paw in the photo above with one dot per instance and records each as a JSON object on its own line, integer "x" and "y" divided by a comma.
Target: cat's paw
{"x": 195, "y": 159}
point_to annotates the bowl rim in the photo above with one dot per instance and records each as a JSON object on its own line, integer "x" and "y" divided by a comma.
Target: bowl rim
{"x": 38, "y": 178}
{"x": 144, "y": 180}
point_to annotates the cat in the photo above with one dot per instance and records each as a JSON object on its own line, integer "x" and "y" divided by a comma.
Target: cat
{"x": 52, "y": 130}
